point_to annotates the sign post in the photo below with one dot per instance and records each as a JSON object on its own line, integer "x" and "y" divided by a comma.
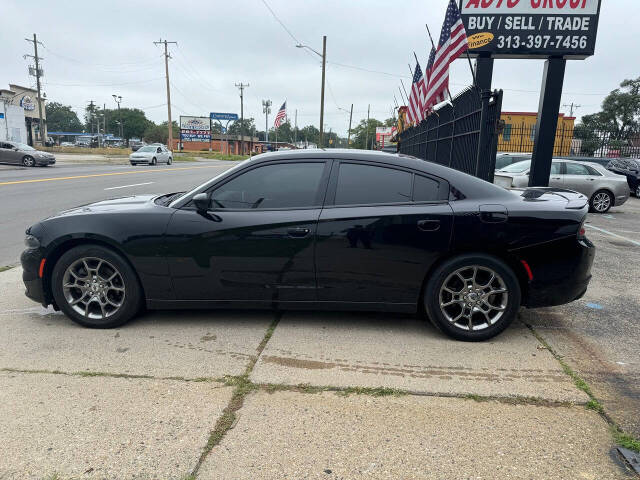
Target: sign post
{"x": 554, "y": 30}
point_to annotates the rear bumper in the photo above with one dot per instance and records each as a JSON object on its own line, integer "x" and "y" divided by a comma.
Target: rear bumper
{"x": 620, "y": 200}
{"x": 30, "y": 260}
{"x": 561, "y": 275}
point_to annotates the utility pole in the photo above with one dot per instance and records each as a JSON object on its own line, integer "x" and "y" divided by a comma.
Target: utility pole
{"x": 166, "y": 70}
{"x": 366, "y": 142}
{"x": 118, "y": 100}
{"x": 295, "y": 128}
{"x": 242, "y": 86}
{"x": 324, "y": 63}
{"x": 572, "y": 107}
{"x": 266, "y": 109}
{"x": 349, "y": 135}
{"x": 37, "y": 59}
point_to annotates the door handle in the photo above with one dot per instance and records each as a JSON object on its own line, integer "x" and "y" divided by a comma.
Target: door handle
{"x": 298, "y": 232}
{"x": 429, "y": 225}
{"x": 556, "y": 178}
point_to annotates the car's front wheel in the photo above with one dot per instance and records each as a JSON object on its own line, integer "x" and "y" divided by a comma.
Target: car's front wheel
{"x": 472, "y": 297}
{"x": 638, "y": 191}
{"x": 154, "y": 161}
{"x": 95, "y": 287}
{"x": 28, "y": 161}
{"x": 601, "y": 201}
{"x": 169, "y": 161}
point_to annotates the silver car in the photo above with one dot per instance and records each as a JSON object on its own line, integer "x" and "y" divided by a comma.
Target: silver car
{"x": 21, "y": 154}
{"x": 604, "y": 189}
{"x": 151, "y": 155}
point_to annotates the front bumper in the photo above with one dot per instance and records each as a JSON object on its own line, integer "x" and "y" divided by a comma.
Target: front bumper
{"x": 30, "y": 260}
{"x": 560, "y": 275}
{"x": 135, "y": 161}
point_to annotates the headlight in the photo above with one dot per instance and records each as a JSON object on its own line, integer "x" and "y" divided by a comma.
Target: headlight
{"x": 31, "y": 242}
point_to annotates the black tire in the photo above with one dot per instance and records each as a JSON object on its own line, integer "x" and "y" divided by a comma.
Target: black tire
{"x": 598, "y": 205}
{"x": 154, "y": 161}
{"x": 28, "y": 161}
{"x": 638, "y": 191}
{"x": 490, "y": 327}
{"x": 132, "y": 297}
{"x": 133, "y": 164}
{"x": 169, "y": 161}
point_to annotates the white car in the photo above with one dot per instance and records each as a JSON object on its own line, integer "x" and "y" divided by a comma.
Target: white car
{"x": 151, "y": 155}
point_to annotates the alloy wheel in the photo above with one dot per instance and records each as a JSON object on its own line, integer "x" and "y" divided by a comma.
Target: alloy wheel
{"x": 638, "y": 191}
{"x": 473, "y": 298}
{"x": 28, "y": 161}
{"x": 93, "y": 287}
{"x": 601, "y": 202}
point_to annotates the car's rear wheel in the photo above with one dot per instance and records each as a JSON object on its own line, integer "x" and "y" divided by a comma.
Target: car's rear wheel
{"x": 638, "y": 191}
{"x": 28, "y": 161}
{"x": 95, "y": 287}
{"x": 601, "y": 201}
{"x": 154, "y": 161}
{"x": 472, "y": 297}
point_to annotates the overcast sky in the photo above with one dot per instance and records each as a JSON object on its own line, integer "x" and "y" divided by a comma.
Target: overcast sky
{"x": 93, "y": 50}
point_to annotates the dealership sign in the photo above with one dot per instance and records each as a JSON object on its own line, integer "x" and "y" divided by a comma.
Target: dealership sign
{"x": 531, "y": 28}
{"x": 195, "y": 129}
{"x": 223, "y": 116}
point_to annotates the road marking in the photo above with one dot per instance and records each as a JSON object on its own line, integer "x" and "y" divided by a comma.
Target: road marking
{"x": 133, "y": 185}
{"x": 53, "y": 179}
{"x": 614, "y": 234}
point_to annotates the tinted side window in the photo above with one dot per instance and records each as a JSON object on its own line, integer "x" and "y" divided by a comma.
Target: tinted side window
{"x": 368, "y": 184}
{"x": 425, "y": 189}
{"x": 576, "y": 169}
{"x": 556, "y": 168}
{"x": 593, "y": 171}
{"x": 283, "y": 185}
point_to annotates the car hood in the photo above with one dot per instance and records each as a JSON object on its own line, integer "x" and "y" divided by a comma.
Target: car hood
{"x": 122, "y": 204}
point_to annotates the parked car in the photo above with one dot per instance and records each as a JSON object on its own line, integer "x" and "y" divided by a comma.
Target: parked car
{"x": 21, "y": 154}
{"x": 67, "y": 144}
{"x": 151, "y": 155}
{"x": 603, "y": 188}
{"x": 135, "y": 144}
{"x": 347, "y": 229}
{"x": 506, "y": 159}
{"x": 630, "y": 168}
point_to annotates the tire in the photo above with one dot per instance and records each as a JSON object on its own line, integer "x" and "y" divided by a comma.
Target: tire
{"x": 601, "y": 202}
{"x": 28, "y": 161}
{"x": 638, "y": 191}
{"x": 106, "y": 300}
{"x": 169, "y": 161}
{"x": 154, "y": 161}
{"x": 133, "y": 164}
{"x": 489, "y": 314}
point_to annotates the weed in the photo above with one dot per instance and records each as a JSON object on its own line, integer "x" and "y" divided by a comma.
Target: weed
{"x": 5, "y": 268}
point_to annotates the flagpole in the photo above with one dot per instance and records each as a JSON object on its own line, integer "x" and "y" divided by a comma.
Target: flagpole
{"x": 402, "y": 96}
{"x": 405, "y": 90}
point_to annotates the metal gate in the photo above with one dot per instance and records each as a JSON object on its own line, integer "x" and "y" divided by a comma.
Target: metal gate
{"x": 456, "y": 133}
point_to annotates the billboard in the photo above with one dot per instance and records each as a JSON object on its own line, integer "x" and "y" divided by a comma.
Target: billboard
{"x": 223, "y": 116}
{"x": 531, "y": 28}
{"x": 195, "y": 129}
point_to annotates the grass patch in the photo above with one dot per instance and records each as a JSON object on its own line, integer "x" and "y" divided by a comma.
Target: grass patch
{"x": 620, "y": 437}
{"x": 184, "y": 158}
{"x": 625, "y": 440}
{"x": 5, "y": 268}
{"x": 88, "y": 151}
{"x": 211, "y": 155}
{"x": 374, "y": 392}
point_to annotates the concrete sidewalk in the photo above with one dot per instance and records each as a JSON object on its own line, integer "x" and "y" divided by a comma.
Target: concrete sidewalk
{"x": 183, "y": 395}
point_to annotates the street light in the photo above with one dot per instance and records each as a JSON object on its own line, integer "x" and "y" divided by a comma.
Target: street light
{"x": 118, "y": 99}
{"x": 324, "y": 63}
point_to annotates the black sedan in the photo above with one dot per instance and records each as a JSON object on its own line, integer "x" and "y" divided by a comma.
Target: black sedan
{"x": 319, "y": 229}
{"x": 630, "y": 168}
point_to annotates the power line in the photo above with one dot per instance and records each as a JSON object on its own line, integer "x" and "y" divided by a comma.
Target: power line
{"x": 103, "y": 84}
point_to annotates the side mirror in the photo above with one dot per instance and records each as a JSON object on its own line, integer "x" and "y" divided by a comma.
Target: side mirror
{"x": 201, "y": 201}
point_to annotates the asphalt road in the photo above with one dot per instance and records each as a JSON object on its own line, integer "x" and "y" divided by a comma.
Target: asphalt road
{"x": 29, "y": 195}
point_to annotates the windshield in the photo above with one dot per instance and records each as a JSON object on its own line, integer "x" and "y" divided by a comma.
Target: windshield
{"x": 202, "y": 187}
{"x": 23, "y": 146}
{"x": 519, "y": 167}
{"x": 147, "y": 149}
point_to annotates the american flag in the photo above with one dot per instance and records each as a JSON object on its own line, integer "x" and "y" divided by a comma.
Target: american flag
{"x": 440, "y": 97}
{"x": 452, "y": 44}
{"x": 281, "y": 116}
{"x": 417, "y": 97}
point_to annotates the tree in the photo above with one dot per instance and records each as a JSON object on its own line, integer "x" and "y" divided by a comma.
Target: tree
{"x": 160, "y": 133}
{"x": 60, "y": 118}
{"x": 391, "y": 122}
{"x": 620, "y": 114}
{"x": 235, "y": 127}
{"x": 309, "y": 134}
{"x": 360, "y": 135}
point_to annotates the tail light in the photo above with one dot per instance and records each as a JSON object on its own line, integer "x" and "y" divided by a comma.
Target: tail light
{"x": 582, "y": 232}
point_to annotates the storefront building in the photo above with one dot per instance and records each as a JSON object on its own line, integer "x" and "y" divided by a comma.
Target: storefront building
{"x": 21, "y": 105}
